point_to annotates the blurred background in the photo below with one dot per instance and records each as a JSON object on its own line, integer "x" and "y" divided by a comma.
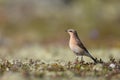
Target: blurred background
{"x": 34, "y": 27}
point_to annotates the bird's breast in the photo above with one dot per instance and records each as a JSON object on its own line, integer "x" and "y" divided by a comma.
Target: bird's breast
{"x": 75, "y": 47}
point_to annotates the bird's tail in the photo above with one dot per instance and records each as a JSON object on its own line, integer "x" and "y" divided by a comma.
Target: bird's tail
{"x": 95, "y": 61}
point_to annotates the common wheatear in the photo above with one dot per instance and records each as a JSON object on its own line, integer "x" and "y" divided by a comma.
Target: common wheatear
{"x": 77, "y": 46}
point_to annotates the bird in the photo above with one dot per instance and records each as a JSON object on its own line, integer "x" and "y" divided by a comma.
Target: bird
{"x": 77, "y": 46}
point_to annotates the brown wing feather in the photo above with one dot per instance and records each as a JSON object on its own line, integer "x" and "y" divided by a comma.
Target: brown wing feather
{"x": 83, "y": 47}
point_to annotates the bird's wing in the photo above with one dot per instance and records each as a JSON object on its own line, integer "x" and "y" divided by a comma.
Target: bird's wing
{"x": 81, "y": 44}
{"x": 83, "y": 47}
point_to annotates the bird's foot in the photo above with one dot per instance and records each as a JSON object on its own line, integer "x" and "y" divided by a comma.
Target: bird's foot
{"x": 76, "y": 60}
{"x": 82, "y": 61}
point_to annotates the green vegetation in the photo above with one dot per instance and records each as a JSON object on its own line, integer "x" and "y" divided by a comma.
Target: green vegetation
{"x": 57, "y": 63}
{"x": 59, "y": 70}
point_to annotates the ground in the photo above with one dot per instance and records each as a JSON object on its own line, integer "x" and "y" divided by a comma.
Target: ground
{"x": 58, "y": 63}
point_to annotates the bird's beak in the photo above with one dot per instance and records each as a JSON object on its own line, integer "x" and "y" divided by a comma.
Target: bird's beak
{"x": 65, "y": 30}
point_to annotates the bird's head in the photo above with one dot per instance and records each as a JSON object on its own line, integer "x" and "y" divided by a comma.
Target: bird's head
{"x": 71, "y": 31}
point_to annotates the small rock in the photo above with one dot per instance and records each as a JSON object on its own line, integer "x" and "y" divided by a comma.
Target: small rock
{"x": 112, "y": 65}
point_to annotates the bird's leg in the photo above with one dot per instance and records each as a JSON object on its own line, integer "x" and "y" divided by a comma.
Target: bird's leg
{"x": 76, "y": 60}
{"x": 82, "y": 59}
